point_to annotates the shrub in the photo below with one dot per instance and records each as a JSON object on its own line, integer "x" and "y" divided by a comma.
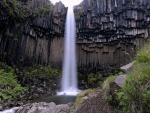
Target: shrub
{"x": 95, "y": 80}
{"x": 144, "y": 54}
{"x": 107, "y": 96}
{"x": 11, "y": 88}
{"x": 135, "y": 95}
{"x": 47, "y": 7}
{"x": 43, "y": 72}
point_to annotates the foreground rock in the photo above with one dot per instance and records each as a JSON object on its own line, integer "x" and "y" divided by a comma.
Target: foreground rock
{"x": 44, "y": 107}
{"x": 127, "y": 67}
{"x": 116, "y": 86}
{"x": 96, "y": 104}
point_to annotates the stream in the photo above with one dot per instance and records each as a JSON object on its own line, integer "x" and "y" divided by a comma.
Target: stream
{"x": 12, "y": 110}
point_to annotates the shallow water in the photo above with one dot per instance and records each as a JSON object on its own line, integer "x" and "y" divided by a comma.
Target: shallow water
{"x": 62, "y": 99}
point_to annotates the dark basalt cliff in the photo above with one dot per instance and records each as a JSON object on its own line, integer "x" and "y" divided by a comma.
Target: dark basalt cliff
{"x": 110, "y": 31}
{"x": 31, "y": 32}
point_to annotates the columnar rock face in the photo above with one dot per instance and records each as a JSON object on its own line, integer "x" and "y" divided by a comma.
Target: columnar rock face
{"x": 31, "y": 32}
{"x": 110, "y": 31}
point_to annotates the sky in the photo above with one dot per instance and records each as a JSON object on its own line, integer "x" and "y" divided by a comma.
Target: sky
{"x": 68, "y": 2}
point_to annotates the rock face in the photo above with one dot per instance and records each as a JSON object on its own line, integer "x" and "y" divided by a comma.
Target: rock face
{"x": 110, "y": 31}
{"x": 44, "y": 107}
{"x": 95, "y": 105}
{"x": 34, "y": 35}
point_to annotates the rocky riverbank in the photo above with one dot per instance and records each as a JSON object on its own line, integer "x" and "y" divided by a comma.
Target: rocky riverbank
{"x": 44, "y": 107}
{"x": 18, "y": 87}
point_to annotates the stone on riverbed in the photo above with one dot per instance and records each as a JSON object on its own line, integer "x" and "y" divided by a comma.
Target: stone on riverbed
{"x": 1, "y": 108}
{"x": 43, "y": 107}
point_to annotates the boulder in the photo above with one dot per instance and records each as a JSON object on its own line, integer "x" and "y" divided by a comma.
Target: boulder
{"x": 96, "y": 104}
{"x": 43, "y": 107}
{"x": 127, "y": 67}
{"x": 116, "y": 86}
{"x": 1, "y": 108}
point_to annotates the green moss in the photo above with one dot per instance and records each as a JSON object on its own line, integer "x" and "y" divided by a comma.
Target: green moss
{"x": 6, "y": 68}
{"x": 45, "y": 9}
{"x": 17, "y": 25}
{"x": 77, "y": 14}
{"x": 9, "y": 34}
{"x": 14, "y": 9}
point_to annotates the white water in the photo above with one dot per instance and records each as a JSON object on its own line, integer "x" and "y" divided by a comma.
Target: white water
{"x": 12, "y": 110}
{"x": 69, "y": 76}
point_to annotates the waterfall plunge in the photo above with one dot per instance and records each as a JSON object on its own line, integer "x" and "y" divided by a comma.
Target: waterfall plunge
{"x": 69, "y": 76}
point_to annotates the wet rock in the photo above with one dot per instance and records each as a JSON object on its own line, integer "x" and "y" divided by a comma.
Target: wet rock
{"x": 20, "y": 103}
{"x": 1, "y": 108}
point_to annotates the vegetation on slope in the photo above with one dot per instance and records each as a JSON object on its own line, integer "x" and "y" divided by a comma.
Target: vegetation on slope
{"x": 135, "y": 95}
{"x": 11, "y": 82}
{"x": 9, "y": 88}
{"x": 47, "y": 72}
{"x": 106, "y": 88}
{"x": 14, "y": 9}
{"x": 95, "y": 80}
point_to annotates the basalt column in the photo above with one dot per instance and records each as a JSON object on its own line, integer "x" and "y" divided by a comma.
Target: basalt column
{"x": 110, "y": 31}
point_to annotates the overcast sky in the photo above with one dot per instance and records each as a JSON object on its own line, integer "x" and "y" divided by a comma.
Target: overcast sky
{"x": 68, "y": 2}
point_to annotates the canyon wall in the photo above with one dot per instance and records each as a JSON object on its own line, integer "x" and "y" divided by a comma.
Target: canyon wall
{"x": 109, "y": 32}
{"x": 31, "y": 32}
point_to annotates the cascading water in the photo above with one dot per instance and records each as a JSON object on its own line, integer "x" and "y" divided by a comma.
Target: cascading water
{"x": 69, "y": 76}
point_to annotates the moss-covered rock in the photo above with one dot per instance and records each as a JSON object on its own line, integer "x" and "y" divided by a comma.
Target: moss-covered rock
{"x": 84, "y": 96}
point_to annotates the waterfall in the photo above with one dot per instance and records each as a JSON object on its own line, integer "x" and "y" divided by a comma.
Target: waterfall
{"x": 69, "y": 75}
